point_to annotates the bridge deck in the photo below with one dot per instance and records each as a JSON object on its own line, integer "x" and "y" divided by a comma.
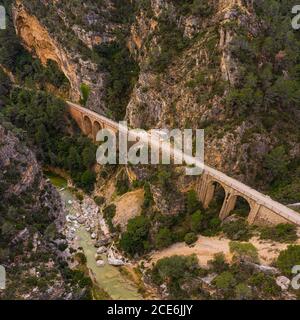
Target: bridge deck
{"x": 240, "y": 187}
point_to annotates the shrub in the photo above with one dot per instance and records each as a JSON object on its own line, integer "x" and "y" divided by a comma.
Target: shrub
{"x": 135, "y": 239}
{"x": 225, "y": 281}
{"x": 219, "y": 264}
{"x": 192, "y": 202}
{"x": 122, "y": 186}
{"x": 281, "y": 233}
{"x": 148, "y": 197}
{"x": 288, "y": 259}
{"x": 62, "y": 246}
{"x": 196, "y": 220}
{"x": 276, "y": 162}
{"x": 79, "y": 196}
{"x": 264, "y": 283}
{"x": 85, "y": 92}
{"x": 99, "y": 200}
{"x": 190, "y": 238}
{"x": 244, "y": 251}
{"x": 88, "y": 180}
{"x": 237, "y": 230}
{"x": 243, "y": 291}
{"x": 81, "y": 257}
{"x": 108, "y": 214}
{"x": 163, "y": 238}
{"x": 175, "y": 271}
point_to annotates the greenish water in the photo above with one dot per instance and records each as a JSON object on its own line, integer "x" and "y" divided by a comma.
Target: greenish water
{"x": 108, "y": 277}
{"x": 57, "y": 181}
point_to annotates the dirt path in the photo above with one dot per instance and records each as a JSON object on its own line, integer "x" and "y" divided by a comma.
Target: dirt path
{"x": 205, "y": 249}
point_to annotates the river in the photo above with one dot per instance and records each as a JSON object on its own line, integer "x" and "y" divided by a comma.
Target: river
{"x": 108, "y": 277}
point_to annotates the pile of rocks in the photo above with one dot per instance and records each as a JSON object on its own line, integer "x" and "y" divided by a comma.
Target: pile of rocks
{"x": 87, "y": 214}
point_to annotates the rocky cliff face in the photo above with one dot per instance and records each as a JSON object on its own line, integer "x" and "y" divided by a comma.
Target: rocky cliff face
{"x": 38, "y": 41}
{"x": 188, "y": 92}
{"x": 47, "y": 45}
{"x": 191, "y": 76}
{"x": 31, "y": 218}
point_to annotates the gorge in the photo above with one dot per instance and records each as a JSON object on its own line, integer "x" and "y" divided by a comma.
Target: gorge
{"x": 227, "y": 66}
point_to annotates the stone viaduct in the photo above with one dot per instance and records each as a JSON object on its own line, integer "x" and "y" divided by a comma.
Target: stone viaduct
{"x": 263, "y": 209}
{"x": 89, "y": 121}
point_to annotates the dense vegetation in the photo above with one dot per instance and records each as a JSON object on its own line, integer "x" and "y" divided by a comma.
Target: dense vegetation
{"x": 176, "y": 271}
{"x": 42, "y": 118}
{"x": 122, "y": 75}
{"x": 155, "y": 231}
{"x": 267, "y": 91}
{"x": 239, "y": 280}
{"x": 29, "y": 237}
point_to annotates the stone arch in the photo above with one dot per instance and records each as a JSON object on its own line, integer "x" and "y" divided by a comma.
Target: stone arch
{"x": 242, "y": 206}
{"x": 87, "y": 126}
{"x": 96, "y": 128}
{"x": 235, "y": 200}
{"x": 214, "y": 188}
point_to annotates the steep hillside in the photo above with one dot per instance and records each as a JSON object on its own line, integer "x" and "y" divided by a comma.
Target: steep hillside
{"x": 231, "y": 67}
{"x": 226, "y": 66}
{"x": 31, "y": 221}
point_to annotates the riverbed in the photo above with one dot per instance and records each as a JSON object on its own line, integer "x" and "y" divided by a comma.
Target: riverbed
{"x": 108, "y": 277}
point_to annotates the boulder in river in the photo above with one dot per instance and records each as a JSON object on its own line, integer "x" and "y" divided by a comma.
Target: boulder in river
{"x": 101, "y": 250}
{"x": 115, "y": 262}
{"x": 100, "y": 263}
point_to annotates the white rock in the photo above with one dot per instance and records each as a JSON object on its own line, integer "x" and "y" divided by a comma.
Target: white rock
{"x": 94, "y": 236}
{"x": 264, "y": 268}
{"x": 209, "y": 279}
{"x": 283, "y": 282}
{"x": 115, "y": 262}
{"x": 100, "y": 263}
{"x": 70, "y": 202}
{"x": 101, "y": 250}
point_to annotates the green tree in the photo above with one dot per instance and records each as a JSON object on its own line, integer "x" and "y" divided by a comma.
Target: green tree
{"x": 219, "y": 263}
{"x": 243, "y": 291}
{"x": 135, "y": 239}
{"x": 88, "y": 156}
{"x": 192, "y": 202}
{"x": 190, "y": 238}
{"x": 164, "y": 238}
{"x": 225, "y": 281}
{"x": 88, "y": 180}
{"x": 276, "y": 162}
{"x": 85, "y": 93}
{"x": 288, "y": 258}
{"x": 244, "y": 251}
{"x": 74, "y": 160}
{"x": 175, "y": 271}
{"x": 41, "y": 136}
{"x": 196, "y": 221}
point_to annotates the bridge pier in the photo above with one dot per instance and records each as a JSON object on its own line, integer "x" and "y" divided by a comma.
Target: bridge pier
{"x": 253, "y": 213}
{"x": 205, "y": 195}
{"x": 228, "y": 204}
